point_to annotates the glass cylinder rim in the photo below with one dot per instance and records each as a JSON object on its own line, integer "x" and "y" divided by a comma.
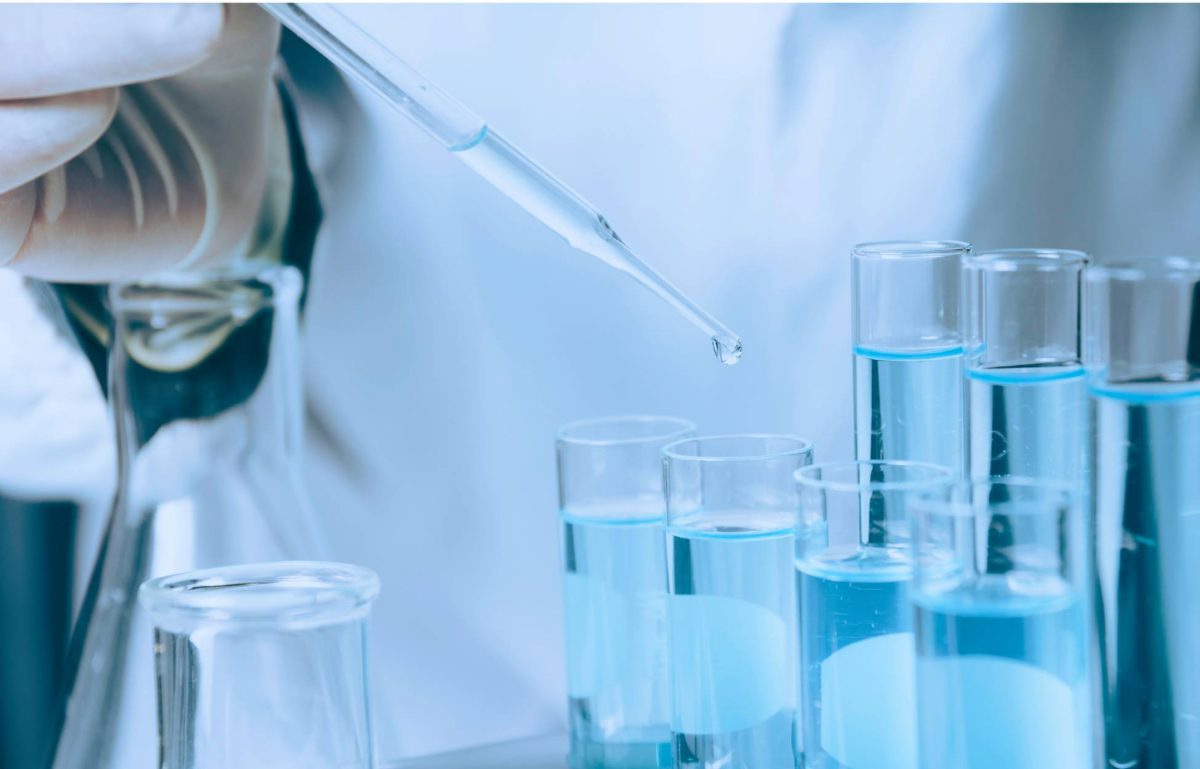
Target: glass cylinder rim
{"x": 961, "y": 503}
{"x": 1028, "y": 259}
{"x": 314, "y": 593}
{"x": 937, "y": 476}
{"x": 1162, "y": 266}
{"x": 678, "y": 428}
{"x": 799, "y": 446}
{"x": 279, "y": 284}
{"x": 910, "y": 249}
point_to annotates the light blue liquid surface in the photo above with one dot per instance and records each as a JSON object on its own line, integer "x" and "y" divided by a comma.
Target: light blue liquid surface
{"x": 909, "y": 406}
{"x": 733, "y": 647}
{"x": 1028, "y": 422}
{"x": 1148, "y": 543}
{"x": 616, "y": 634}
{"x": 857, "y": 692}
{"x": 1003, "y": 682}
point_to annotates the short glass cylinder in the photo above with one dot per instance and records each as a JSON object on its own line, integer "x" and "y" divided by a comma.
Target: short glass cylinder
{"x": 615, "y": 588}
{"x": 731, "y": 507}
{"x": 854, "y": 563}
{"x": 906, "y": 296}
{"x": 1005, "y": 635}
{"x": 1144, "y": 327}
{"x": 1023, "y": 307}
{"x": 263, "y": 665}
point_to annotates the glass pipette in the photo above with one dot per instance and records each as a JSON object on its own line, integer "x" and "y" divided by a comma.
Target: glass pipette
{"x": 358, "y": 53}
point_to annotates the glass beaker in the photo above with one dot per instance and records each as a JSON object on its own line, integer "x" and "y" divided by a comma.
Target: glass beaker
{"x": 263, "y": 666}
{"x": 1005, "y": 674}
{"x": 205, "y": 390}
{"x": 731, "y": 514}
{"x": 854, "y": 563}
{"x": 908, "y": 351}
{"x": 615, "y": 589}
{"x": 1144, "y": 332}
{"x": 1027, "y": 405}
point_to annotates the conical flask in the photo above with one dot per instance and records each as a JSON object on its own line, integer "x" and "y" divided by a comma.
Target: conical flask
{"x": 205, "y": 391}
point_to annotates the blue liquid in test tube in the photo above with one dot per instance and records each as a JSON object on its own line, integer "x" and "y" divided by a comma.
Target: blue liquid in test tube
{"x": 731, "y": 503}
{"x": 1005, "y": 674}
{"x": 854, "y": 565}
{"x": 1145, "y": 394}
{"x": 1027, "y": 411}
{"x": 908, "y": 352}
{"x": 615, "y": 590}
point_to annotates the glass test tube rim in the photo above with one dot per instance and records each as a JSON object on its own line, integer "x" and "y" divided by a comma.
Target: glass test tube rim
{"x": 280, "y": 284}
{"x": 962, "y": 502}
{"x": 910, "y": 249}
{"x": 1163, "y": 267}
{"x": 314, "y": 594}
{"x": 1028, "y": 259}
{"x": 941, "y": 476}
{"x": 679, "y": 427}
{"x": 798, "y": 446}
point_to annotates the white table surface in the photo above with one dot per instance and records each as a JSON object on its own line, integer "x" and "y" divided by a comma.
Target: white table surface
{"x": 549, "y": 752}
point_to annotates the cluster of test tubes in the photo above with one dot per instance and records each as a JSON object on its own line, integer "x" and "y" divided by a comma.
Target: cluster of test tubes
{"x": 1006, "y": 575}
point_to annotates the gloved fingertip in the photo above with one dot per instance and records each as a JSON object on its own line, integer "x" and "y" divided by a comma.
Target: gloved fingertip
{"x": 16, "y": 217}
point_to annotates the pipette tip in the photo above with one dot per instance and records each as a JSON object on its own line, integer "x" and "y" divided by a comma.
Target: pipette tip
{"x": 729, "y": 351}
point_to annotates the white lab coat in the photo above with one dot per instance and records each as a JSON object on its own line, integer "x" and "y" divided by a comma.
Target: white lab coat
{"x": 740, "y": 150}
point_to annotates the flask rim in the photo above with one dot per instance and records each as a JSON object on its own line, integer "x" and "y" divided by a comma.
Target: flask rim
{"x": 248, "y": 286}
{"x": 293, "y": 595}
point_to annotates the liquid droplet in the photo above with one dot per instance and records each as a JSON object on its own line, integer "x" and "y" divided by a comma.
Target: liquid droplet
{"x": 725, "y": 353}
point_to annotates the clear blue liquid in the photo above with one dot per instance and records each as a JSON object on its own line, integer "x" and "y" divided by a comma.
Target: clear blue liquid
{"x": 1028, "y": 422}
{"x": 733, "y": 632}
{"x": 1004, "y": 682}
{"x": 909, "y": 407}
{"x": 616, "y": 633}
{"x": 1147, "y": 506}
{"x": 856, "y": 658}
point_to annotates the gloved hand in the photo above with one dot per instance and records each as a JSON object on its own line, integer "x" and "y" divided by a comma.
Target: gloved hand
{"x": 99, "y": 182}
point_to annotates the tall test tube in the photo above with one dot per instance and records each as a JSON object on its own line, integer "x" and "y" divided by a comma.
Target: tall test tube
{"x": 1144, "y": 335}
{"x": 1027, "y": 411}
{"x": 908, "y": 352}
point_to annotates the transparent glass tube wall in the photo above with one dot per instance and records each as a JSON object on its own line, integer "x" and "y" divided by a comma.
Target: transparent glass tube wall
{"x": 1144, "y": 335}
{"x": 263, "y": 666}
{"x": 1027, "y": 411}
{"x": 731, "y": 508}
{"x": 610, "y": 485}
{"x": 854, "y": 563}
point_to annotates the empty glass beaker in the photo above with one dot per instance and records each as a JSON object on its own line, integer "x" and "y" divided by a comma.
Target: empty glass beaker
{"x": 1145, "y": 387}
{"x": 205, "y": 390}
{"x": 615, "y": 589}
{"x": 1027, "y": 405}
{"x": 731, "y": 510}
{"x": 908, "y": 351}
{"x": 854, "y": 563}
{"x": 1005, "y": 673}
{"x": 263, "y": 666}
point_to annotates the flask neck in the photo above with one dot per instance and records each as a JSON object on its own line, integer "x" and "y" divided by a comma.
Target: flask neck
{"x": 210, "y": 367}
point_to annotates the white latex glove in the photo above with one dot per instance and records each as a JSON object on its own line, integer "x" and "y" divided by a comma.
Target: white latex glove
{"x": 99, "y": 182}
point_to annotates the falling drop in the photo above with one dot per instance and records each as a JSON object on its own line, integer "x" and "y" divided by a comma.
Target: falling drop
{"x": 726, "y": 353}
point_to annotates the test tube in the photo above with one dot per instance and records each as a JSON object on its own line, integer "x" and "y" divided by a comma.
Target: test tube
{"x": 1145, "y": 390}
{"x": 263, "y": 666}
{"x": 610, "y": 487}
{"x": 1005, "y": 674}
{"x": 731, "y": 506}
{"x": 854, "y": 562}
{"x": 1027, "y": 406}
{"x": 908, "y": 351}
